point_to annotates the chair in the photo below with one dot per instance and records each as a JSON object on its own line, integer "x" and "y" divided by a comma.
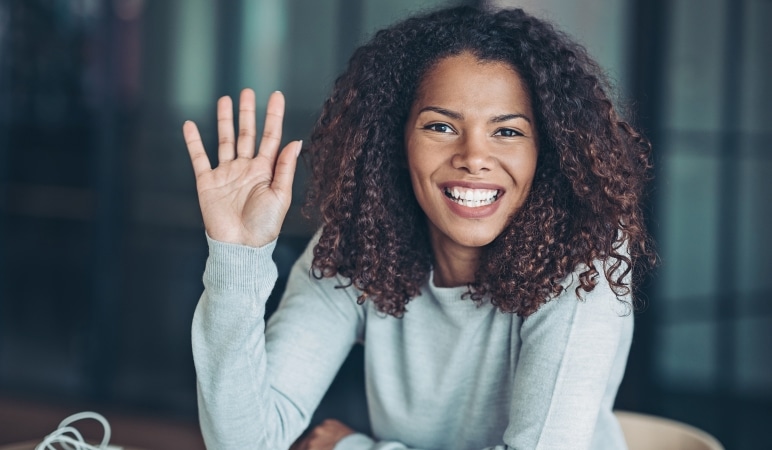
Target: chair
{"x": 645, "y": 432}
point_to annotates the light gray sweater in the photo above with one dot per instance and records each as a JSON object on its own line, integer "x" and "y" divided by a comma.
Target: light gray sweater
{"x": 448, "y": 375}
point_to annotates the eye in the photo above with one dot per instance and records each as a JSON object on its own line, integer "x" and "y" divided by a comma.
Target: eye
{"x": 439, "y": 128}
{"x": 507, "y": 132}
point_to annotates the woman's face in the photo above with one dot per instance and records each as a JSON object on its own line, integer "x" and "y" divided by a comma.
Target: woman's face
{"x": 471, "y": 149}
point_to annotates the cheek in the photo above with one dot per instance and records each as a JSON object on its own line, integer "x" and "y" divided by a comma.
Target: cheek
{"x": 420, "y": 167}
{"x": 419, "y": 183}
{"x": 524, "y": 167}
{"x": 421, "y": 172}
{"x": 529, "y": 171}
{"x": 415, "y": 175}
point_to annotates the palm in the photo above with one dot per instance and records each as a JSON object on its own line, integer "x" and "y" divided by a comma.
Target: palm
{"x": 244, "y": 200}
{"x": 233, "y": 194}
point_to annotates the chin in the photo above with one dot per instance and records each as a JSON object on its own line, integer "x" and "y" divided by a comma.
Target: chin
{"x": 471, "y": 239}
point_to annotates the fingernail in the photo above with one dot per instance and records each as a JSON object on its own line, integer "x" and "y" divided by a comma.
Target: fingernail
{"x": 300, "y": 147}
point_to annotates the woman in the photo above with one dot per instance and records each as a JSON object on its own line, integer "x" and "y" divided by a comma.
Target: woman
{"x": 480, "y": 225}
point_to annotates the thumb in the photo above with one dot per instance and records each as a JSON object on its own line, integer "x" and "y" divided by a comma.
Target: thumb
{"x": 286, "y": 165}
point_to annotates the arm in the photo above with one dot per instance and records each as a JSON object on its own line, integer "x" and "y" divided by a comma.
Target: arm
{"x": 571, "y": 349}
{"x": 256, "y": 389}
{"x": 228, "y": 344}
{"x": 243, "y": 203}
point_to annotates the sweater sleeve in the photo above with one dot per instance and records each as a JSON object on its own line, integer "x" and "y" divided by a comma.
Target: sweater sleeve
{"x": 258, "y": 386}
{"x": 358, "y": 441}
{"x": 571, "y": 348}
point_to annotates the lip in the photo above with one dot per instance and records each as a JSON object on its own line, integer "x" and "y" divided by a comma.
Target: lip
{"x": 471, "y": 185}
{"x": 466, "y": 212}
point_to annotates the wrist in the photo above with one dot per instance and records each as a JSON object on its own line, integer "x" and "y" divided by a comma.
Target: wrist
{"x": 236, "y": 266}
{"x": 244, "y": 239}
{"x": 354, "y": 441}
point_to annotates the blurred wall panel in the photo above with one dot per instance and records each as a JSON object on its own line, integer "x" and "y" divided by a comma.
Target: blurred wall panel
{"x": 265, "y": 36}
{"x": 715, "y": 198}
{"x": 754, "y": 373}
{"x": 193, "y": 63}
{"x": 713, "y": 205}
{"x": 47, "y": 210}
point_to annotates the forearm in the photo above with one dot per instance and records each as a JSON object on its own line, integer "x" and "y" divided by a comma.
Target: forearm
{"x": 360, "y": 441}
{"x": 258, "y": 386}
{"x": 229, "y": 348}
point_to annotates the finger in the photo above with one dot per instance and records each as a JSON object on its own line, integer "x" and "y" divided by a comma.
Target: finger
{"x": 196, "y": 150}
{"x": 225, "y": 151}
{"x": 245, "y": 147}
{"x": 274, "y": 115}
{"x": 285, "y": 167}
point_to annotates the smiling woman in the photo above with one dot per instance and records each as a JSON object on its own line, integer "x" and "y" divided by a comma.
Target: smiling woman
{"x": 480, "y": 229}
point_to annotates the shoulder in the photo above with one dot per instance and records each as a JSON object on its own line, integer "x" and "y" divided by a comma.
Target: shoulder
{"x": 600, "y": 307}
{"x": 305, "y": 281}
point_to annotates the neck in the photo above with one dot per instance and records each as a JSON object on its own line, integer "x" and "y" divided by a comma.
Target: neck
{"x": 454, "y": 265}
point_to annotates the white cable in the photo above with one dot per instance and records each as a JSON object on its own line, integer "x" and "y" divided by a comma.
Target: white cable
{"x": 71, "y": 439}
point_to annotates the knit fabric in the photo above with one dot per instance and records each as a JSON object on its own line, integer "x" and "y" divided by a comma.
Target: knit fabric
{"x": 448, "y": 375}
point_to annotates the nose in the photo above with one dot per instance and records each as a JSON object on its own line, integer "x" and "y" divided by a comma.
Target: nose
{"x": 473, "y": 155}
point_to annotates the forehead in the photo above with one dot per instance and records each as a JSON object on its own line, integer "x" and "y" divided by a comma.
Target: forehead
{"x": 464, "y": 78}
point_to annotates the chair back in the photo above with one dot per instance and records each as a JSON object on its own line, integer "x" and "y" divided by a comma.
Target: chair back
{"x": 645, "y": 432}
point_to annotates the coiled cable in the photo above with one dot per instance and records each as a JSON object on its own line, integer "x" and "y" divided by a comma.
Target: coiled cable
{"x": 71, "y": 439}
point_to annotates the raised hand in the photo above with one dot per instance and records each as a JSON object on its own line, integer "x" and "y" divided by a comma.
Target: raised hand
{"x": 245, "y": 199}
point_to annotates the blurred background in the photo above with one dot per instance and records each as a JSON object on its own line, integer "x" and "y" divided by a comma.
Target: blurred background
{"x": 101, "y": 241}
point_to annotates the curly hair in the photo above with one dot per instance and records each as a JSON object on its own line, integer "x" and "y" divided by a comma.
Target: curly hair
{"x": 584, "y": 204}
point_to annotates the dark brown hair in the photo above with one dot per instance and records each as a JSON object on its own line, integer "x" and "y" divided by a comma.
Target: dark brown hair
{"x": 584, "y": 204}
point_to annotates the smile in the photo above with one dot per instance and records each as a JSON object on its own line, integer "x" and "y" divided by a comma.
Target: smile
{"x": 471, "y": 198}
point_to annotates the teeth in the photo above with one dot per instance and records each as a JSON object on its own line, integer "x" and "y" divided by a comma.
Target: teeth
{"x": 472, "y": 198}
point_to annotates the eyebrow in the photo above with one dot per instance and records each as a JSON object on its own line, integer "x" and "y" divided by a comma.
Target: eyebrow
{"x": 505, "y": 117}
{"x": 458, "y": 116}
{"x": 443, "y": 111}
